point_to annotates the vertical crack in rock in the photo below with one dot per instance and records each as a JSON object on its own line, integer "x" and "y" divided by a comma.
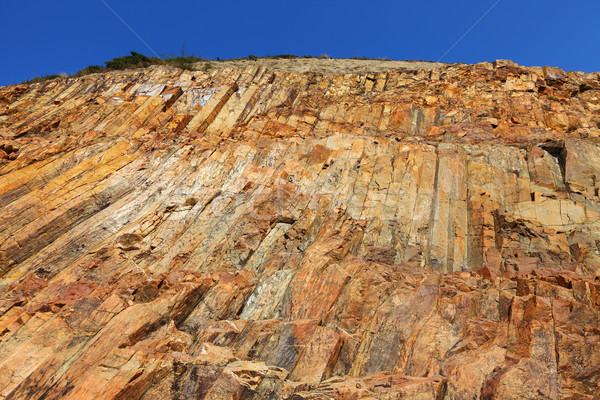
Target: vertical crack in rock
{"x": 434, "y": 214}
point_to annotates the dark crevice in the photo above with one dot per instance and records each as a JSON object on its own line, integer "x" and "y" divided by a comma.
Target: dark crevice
{"x": 175, "y": 95}
{"x": 280, "y": 219}
{"x": 196, "y": 297}
{"x": 559, "y": 152}
{"x": 584, "y": 87}
{"x": 441, "y": 393}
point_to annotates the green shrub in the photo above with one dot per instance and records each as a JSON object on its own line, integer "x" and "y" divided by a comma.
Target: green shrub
{"x": 186, "y": 63}
{"x": 285, "y": 56}
{"x": 92, "y": 69}
{"x": 190, "y": 202}
{"x": 43, "y": 79}
{"x": 135, "y": 60}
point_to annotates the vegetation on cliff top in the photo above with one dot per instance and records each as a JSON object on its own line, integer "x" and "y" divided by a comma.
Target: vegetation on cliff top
{"x": 138, "y": 60}
{"x": 134, "y": 60}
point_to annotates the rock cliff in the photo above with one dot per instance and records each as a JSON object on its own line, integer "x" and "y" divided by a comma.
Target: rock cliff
{"x": 249, "y": 234}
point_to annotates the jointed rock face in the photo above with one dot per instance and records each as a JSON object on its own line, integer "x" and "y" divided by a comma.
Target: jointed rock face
{"x": 248, "y": 234}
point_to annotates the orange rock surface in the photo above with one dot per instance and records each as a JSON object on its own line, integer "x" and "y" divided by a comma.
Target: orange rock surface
{"x": 248, "y": 234}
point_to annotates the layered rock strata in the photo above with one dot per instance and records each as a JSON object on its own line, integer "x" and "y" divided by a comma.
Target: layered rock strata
{"x": 247, "y": 234}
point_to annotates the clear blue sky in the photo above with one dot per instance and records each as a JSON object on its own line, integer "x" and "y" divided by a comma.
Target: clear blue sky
{"x": 63, "y": 36}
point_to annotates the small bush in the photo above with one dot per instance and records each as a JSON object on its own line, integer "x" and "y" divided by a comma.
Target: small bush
{"x": 135, "y": 60}
{"x": 190, "y": 202}
{"x": 92, "y": 69}
{"x": 42, "y": 79}
{"x": 186, "y": 63}
{"x": 285, "y": 56}
{"x": 252, "y": 58}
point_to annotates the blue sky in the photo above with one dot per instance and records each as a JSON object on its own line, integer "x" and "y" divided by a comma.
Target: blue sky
{"x": 64, "y": 36}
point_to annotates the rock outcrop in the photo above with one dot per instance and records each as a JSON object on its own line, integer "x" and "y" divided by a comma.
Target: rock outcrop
{"x": 247, "y": 234}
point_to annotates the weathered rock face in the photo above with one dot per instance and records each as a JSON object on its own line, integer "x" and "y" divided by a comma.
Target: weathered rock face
{"x": 426, "y": 234}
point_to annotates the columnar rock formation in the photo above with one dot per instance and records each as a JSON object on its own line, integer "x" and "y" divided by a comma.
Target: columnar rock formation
{"x": 248, "y": 234}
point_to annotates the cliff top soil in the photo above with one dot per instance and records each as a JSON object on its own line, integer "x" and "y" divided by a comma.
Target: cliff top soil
{"x": 325, "y": 66}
